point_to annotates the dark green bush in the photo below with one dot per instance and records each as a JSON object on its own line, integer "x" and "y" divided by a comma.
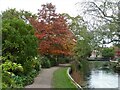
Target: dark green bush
{"x": 63, "y": 60}
{"x": 28, "y": 66}
{"x": 37, "y": 63}
{"x": 45, "y": 62}
{"x": 108, "y": 52}
{"x": 19, "y": 47}
{"x": 19, "y": 43}
{"x": 53, "y": 62}
{"x": 19, "y": 81}
{"x": 24, "y": 80}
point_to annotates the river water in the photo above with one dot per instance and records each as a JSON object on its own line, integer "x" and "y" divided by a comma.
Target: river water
{"x": 95, "y": 77}
{"x": 102, "y": 79}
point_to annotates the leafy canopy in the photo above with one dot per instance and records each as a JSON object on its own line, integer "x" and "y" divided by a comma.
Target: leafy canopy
{"x": 108, "y": 52}
{"x": 53, "y": 33}
{"x": 83, "y": 36}
{"x": 18, "y": 41}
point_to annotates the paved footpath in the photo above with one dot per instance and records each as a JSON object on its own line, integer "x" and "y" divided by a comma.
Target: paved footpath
{"x": 44, "y": 79}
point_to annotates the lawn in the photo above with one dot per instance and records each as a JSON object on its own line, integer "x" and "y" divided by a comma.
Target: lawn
{"x": 61, "y": 79}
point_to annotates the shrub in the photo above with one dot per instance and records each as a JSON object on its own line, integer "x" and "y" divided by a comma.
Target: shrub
{"x": 45, "y": 62}
{"x": 9, "y": 66}
{"x": 9, "y": 70}
{"x": 32, "y": 64}
{"x": 28, "y": 66}
{"x": 37, "y": 63}
{"x": 24, "y": 80}
{"x": 64, "y": 59}
{"x": 19, "y": 47}
{"x": 19, "y": 81}
{"x": 19, "y": 43}
{"x": 53, "y": 62}
{"x": 7, "y": 80}
{"x": 108, "y": 52}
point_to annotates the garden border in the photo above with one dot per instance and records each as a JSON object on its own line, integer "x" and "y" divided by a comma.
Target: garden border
{"x": 73, "y": 81}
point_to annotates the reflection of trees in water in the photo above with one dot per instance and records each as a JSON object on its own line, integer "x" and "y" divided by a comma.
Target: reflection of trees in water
{"x": 88, "y": 67}
{"x": 98, "y": 64}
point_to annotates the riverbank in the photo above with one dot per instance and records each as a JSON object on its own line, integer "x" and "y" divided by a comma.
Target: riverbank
{"x": 91, "y": 71}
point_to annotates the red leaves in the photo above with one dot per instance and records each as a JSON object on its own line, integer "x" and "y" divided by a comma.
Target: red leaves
{"x": 52, "y": 31}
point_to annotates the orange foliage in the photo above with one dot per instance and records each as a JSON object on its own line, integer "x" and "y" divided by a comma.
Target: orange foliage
{"x": 52, "y": 31}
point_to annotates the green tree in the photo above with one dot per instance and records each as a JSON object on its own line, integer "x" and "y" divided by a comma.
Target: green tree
{"x": 82, "y": 34}
{"x": 108, "y": 52}
{"x": 18, "y": 41}
{"x": 105, "y": 17}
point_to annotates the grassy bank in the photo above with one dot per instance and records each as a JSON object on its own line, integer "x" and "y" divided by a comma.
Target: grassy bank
{"x": 61, "y": 79}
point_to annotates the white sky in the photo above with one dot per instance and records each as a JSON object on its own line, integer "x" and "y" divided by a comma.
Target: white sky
{"x": 62, "y": 6}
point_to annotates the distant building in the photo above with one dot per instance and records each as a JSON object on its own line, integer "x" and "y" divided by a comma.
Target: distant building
{"x": 93, "y": 54}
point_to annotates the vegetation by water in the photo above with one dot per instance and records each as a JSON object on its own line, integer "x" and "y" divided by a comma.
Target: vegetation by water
{"x": 61, "y": 79}
{"x": 25, "y": 36}
{"x": 100, "y": 64}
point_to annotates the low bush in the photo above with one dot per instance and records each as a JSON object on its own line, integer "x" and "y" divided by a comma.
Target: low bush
{"x": 9, "y": 70}
{"x": 24, "y": 80}
{"x": 13, "y": 75}
{"x": 45, "y": 62}
{"x": 63, "y": 60}
{"x": 37, "y": 63}
{"x": 7, "y": 80}
{"x": 53, "y": 62}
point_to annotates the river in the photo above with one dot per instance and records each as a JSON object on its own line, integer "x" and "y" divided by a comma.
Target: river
{"x": 95, "y": 76}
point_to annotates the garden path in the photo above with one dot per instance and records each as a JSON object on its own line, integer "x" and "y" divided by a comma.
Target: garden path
{"x": 44, "y": 79}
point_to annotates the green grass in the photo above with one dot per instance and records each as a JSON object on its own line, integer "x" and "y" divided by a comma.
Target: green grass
{"x": 61, "y": 79}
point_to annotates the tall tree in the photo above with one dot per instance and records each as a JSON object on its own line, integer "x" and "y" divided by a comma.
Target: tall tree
{"x": 83, "y": 36}
{"x": 106, "y": 19}
{"x": 53, "y": 33}
{"x": 18, "y": 41}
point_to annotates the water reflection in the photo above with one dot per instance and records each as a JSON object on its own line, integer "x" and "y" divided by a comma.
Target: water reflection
{"x": 102, "y": 79}
{"x": 99, "y": 78}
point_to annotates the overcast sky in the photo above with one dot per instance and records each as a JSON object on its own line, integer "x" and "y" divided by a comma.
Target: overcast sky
{"x": 62, "y": 6}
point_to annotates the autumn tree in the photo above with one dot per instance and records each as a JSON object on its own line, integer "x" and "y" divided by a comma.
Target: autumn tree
{"x": 53, "y": 33}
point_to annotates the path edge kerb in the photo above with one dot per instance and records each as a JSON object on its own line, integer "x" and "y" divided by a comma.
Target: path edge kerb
{"x": 75, "y": 83}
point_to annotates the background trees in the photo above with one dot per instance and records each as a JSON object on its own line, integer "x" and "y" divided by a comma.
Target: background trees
{"x": 83, "y": 37}
{"x": 108, "y": 52}
{"x": 104, "y": 20}
{"x": 18, "y": 39}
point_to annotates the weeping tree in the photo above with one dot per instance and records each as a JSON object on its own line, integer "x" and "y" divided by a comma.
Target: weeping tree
{"x": 104, "y": 19}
